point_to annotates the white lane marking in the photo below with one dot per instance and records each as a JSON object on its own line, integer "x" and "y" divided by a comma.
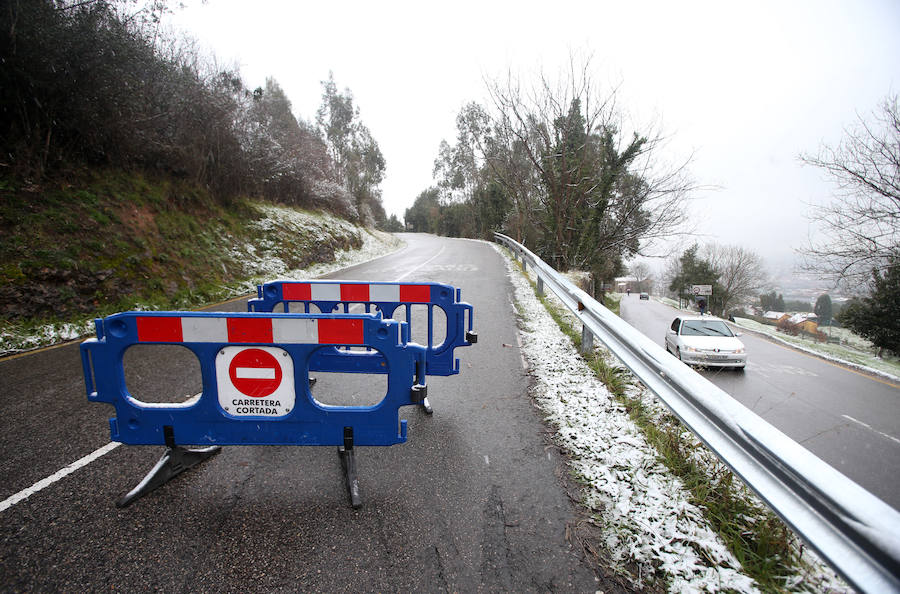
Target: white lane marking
{"x": 408, "y": 272}
{"x": 870, "y": 428}
{"x": 487, "y": 461}
{"x": 44, "y": 483}
{"x": 358, "y": 307}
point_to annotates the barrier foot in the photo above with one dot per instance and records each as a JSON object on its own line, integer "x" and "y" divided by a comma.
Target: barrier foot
{"x": 176, "y": 460}
{"x": 427, "y": 406}
{"x": 348, "y": 463}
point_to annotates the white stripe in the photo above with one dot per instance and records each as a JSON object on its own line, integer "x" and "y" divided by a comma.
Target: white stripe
{"x": 390, "y": 293}
{"x": 870, "y": 428}
{"x": 43, "y": 483}
{"x": 255, "y": 372}
{"x": 428, "y": 261}
{"x": 325, "y": 291}
{"x": 295, "y": 331}
{"x": 204, "y": 329}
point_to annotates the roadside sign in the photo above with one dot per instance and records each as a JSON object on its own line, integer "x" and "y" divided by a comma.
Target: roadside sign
{"x": 255, "y": 381}
{"x": 701, "y": 289}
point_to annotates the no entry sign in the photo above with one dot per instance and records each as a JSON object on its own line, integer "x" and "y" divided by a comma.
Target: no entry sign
{"x": 255, "y": 381}
{"x": 255, "y": 372}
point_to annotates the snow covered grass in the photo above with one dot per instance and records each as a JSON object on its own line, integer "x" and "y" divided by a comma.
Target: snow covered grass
{"x": 671, "y": 513}
{"x": 262, "y": 260}
{"x": 853, "y": 350}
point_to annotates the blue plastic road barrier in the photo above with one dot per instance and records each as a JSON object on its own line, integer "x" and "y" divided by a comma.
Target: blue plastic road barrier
{"x": 255, "y": 378}
{"x": 330, "y": 296}
{"x": 255, "y": 374}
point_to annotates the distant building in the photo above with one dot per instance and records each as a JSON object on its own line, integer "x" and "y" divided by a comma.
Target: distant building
{"x": 805, "y": 322}
{"x": 627, "y": 283}
{"x": 775, "y": 316}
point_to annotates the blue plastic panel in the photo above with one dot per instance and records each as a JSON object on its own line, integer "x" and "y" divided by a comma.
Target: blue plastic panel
{"x": 255, "y": 375}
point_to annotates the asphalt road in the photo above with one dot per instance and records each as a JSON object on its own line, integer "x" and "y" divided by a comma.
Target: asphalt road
{"x": 849, "y": 419}
{"x": 472, "y": 502}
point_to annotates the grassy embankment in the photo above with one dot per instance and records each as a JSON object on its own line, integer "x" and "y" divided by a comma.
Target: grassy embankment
{"x": 76, "y": 249}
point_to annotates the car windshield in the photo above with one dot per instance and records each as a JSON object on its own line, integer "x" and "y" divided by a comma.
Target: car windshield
{"x": 705, "y": 328}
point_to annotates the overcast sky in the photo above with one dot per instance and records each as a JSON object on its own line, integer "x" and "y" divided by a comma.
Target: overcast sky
{"x": 745, "y": 87}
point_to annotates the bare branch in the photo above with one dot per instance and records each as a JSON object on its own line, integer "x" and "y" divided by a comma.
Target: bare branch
{"x": 861, "y": 226}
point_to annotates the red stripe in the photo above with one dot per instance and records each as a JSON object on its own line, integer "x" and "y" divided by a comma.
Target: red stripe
{"x": 355, "y": 292}
{"x": 159, "y": 329}
{"x": 296, "y": 291}
{"x": 415, "y": 293}
{"x": 249, "y": 329}
{"x": 337, "y": 331}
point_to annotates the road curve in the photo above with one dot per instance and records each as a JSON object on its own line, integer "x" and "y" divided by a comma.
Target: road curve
{"x": 849, "y": 419}
{"x": 471, "y": 502}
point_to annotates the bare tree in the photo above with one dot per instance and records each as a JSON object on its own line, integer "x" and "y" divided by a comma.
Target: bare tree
{"x": 861, "y": 226}
{"x": 670, "y": 271}
{"x": 741, "y": 275}
{"x": 641, "y": 273}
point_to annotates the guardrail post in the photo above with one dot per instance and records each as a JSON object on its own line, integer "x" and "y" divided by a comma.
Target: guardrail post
{"x": 540, "y": 285}
{"x": 587, "y": 340}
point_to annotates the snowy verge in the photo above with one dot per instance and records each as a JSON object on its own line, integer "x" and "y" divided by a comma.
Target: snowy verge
{"x": 644, "y": 510}
{"x": 835, "y": 353}
{"x": 266, "y": 266}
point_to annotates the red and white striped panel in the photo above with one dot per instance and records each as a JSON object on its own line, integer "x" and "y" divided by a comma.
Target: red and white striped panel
{"x": 356, "y": 292}
{"x": 250, "y": 330}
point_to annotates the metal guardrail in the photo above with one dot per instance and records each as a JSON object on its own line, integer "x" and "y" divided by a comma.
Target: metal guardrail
{"x": 854, "y": 531}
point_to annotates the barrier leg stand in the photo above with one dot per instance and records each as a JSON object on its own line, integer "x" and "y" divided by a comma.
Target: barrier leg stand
{"x": 420, "y": 391}
{"x": 176, "y": 460}
{"x": 348, "y": 463}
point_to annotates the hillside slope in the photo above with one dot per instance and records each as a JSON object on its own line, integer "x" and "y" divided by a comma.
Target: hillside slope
{"x": 72, "y": 251}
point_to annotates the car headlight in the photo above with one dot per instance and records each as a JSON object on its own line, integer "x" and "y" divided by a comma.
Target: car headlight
{"x": 690, "y": 349}
{"x": 739, "y": 351}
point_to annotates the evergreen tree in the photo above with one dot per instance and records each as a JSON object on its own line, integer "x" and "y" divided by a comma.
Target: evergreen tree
{"x": 877, "y": 317}
{"x": 358, "y": 160}
{"x": 772, "y": 301}
{"x": 823, "y": 309}
{"x": 425, "y": 213}
{"x": 694, "y": 270}
{"x": 392, "y": 225}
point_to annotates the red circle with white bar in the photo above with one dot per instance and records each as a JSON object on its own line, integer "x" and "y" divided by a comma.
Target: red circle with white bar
{"x": 255, "y": 373}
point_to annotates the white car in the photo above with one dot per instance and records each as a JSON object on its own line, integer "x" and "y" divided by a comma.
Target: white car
{"x": 706, "y": 341}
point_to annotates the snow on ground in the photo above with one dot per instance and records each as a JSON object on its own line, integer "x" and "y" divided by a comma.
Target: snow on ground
{"x": 267, "y": 267}
{"x": 644, "y": 510}
{"x": 859, "y": 357}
